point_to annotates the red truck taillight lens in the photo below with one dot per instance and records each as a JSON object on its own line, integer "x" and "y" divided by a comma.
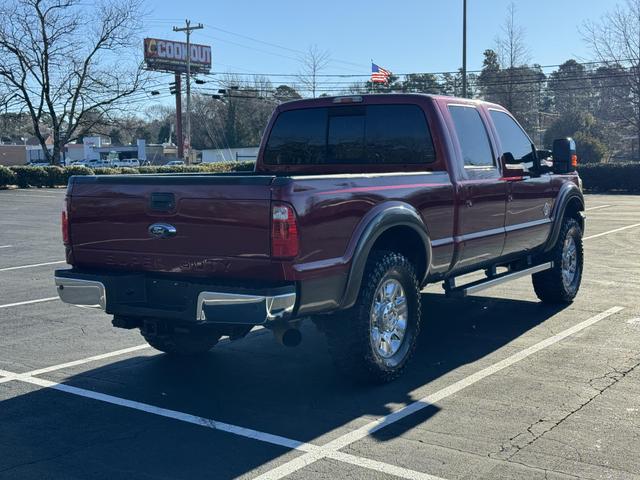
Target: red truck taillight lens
{"x": 284, "y": 231}
{"x": 65, "y": 223}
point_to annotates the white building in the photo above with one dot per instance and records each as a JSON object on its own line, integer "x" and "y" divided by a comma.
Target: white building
{"x": 243, "y": 154}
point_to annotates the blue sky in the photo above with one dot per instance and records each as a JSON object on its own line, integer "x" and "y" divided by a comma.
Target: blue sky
{"x": 413, "y": 36}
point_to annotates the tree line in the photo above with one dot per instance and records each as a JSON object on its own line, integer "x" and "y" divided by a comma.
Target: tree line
{"x": 48, "y": 87}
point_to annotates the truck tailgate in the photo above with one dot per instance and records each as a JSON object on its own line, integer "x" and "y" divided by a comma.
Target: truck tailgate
{"x": 214, "y": 216}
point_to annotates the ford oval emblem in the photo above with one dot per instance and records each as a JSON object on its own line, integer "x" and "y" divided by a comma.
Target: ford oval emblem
{"x": 162, "y": 230}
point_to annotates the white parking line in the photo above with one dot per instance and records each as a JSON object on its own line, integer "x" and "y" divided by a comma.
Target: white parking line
{"x": 312, "y": 453}
{"x": 33, "y": 265}
{"x": 380, "y": 466}
{"x": 36, "y": 195}
{"x": 596, "y": 208}
{"x": 29, "y": 302}
{"x": 164, "y": 412}
{"x": 6, "y": 246}
{"x": 372, "y": 427}
{"x": 612, "y": 231}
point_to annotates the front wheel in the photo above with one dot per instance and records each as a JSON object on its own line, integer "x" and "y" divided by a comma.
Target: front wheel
{"x": 375, "y": 339}
{"x": 560, "y": 284}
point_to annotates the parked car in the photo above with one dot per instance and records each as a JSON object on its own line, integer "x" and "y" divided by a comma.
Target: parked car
{"x": 100, "y": 163}
{"x": 126, "y": 162}
{"x": 356, "y": 203}
{"x": 38, "y": 164}
{"x": 174, "y": 163}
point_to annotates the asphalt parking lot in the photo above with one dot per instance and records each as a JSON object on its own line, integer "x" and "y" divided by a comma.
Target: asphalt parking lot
{"x": 502, "y": 386}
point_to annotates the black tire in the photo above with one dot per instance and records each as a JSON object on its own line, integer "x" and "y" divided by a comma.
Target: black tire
{"x": 350, "y": 334}
{"x": 183, "y": 344}
{"x": 552, "y": 286}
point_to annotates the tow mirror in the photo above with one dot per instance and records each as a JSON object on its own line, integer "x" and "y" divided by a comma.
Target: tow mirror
{"x": 511, "y": 168}
{"x": 564, "y": 155}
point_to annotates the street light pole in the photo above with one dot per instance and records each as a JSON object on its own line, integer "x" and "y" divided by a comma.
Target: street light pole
{"x": 188, "y": 29}
{"x": 464, "y": 48}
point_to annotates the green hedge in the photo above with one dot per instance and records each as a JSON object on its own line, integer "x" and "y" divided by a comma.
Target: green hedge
{"x": 24, "y": 176}
{"x": 7, "y": 177}
{"x": 599, "y": 177}
{"x": 611, "y": 177}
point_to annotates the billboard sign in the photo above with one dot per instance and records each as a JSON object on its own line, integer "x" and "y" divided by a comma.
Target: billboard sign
{"x": 169, "y": 55}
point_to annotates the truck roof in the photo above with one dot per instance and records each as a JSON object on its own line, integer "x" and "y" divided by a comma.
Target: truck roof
{"x": 378, "y": 97}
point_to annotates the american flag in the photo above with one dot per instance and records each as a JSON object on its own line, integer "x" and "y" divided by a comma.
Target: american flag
{"x": 379, "y": 74}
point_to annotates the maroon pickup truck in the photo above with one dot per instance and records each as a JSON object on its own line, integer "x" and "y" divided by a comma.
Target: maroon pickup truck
{"x": 355, "y": 204}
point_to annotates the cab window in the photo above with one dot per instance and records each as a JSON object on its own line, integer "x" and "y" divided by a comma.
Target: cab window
{"x": 472, "y": 136}
{"x": 512, "y": 138}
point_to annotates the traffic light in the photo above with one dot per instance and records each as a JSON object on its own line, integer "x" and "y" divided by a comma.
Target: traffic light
{"x": 172, "y": 88}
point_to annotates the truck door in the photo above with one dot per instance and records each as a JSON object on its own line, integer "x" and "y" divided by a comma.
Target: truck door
{"x": 530, "y": 197}
{"x": 482, "y": 192}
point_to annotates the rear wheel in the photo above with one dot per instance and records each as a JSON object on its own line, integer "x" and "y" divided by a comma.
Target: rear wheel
{"x": 183, "y": 344}
{"x": 375, "y": 339}
{"x": 561, "y": 283}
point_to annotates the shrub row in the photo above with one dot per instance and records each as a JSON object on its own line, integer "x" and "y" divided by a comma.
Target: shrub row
{"x": 24, "y": 176}
{"x": 599, "y": 177}
{"x": 611, "y": 177}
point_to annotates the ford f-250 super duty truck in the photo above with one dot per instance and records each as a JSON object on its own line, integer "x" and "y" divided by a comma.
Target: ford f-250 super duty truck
{"x": 355, "y": 204}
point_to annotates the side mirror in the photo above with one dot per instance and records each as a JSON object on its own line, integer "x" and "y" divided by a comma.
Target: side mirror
{"x": 511, "y": 168}
{"x": 564, "y": 155}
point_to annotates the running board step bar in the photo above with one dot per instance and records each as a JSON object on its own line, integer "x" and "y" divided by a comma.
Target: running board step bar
{"x": 491, "y": 281}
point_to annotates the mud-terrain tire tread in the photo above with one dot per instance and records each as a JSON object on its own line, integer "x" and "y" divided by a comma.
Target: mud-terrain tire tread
{"x": 347, "y": 332}
{"x": 548, "y": 284}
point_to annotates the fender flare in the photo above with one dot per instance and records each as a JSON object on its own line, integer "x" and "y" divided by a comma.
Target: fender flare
{"x": 568, "y": 192}
{"x": 398, "y": 214}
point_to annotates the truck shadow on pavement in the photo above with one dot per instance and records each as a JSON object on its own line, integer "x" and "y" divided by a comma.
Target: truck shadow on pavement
{"x": 253, "y": 383}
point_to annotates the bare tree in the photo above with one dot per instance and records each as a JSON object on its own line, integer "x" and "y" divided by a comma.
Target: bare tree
{"x": 67, "y": 66}
{"x": 511, "y": 47}
{"x": 312, "y": 63}
{"x": 615, "y": 41}
{"x": 512, "y": 54}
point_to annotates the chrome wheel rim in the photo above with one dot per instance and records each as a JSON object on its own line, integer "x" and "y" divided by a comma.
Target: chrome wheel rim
{"x": 388, "y": 318}
{"x": 569, "y": 262}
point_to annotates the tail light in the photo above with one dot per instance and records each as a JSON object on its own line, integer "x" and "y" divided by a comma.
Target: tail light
{"x": 284, "y": 231}
{"x": 65, "y": 223}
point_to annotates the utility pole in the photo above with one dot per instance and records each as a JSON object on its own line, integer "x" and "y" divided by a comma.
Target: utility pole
{"x": 464, "y": 48}
{"x": 188, "y": 29}
{"x": 178, "y": 94}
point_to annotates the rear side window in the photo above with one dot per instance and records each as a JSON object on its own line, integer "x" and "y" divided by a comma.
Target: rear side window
{"x": 398, "y": 134}
{"x": 512, "y": 137}
{"x": 298, "y": 138}
{"x": 472, "y": 136}
{"x": 374, "y": 134}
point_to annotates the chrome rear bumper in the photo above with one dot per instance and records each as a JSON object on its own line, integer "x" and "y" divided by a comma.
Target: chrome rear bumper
{"x": 77, "y": 291}
{"x": 204, "y": 303}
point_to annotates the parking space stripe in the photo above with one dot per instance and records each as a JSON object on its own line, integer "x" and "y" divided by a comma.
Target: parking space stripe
{"x": 381, "y": 466}
{"x": 6, "y": 246}
{"x": 372, "y": 427}
{"x": 95, "y": 358}
{"x": 596, "y": 208}
{"x": 612, "y": 231}
{"x": 307, "y": 448}
{"x": 164, "y": 412}
{"x": 30, "y": 302}
{"x": 33, "y": 265}
{"x": 312, "y": 453}
{"x": 35, "y": 195}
